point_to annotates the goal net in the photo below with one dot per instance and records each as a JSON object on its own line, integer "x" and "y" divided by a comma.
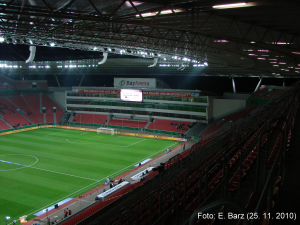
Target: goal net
{"x": 104, "y": 130}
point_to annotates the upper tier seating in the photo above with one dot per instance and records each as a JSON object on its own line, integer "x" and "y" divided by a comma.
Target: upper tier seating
{"x": 10, "y": 83}
{"x": 166, "y": 125}
{"x": 21, "y": 85}
{"x": 266, "y": 93}
{"x": 90, "y": 118}
{"x": 27, "y": 85}
{"x": 219, "y": 124}
{"x": 9, "y": 113}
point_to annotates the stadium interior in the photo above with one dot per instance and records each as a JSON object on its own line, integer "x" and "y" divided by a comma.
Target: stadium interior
{"x": 220, "y": 77}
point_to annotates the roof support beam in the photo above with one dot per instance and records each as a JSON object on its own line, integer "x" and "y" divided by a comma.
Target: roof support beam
{"x": 233, "y": 85}
{"x": 258, "y": 85}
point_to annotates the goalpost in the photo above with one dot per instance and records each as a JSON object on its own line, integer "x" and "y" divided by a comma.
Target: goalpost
{"x": 104, "y": 130}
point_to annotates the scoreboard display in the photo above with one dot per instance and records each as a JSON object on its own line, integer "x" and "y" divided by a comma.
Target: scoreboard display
{"x": 131, "y": 95}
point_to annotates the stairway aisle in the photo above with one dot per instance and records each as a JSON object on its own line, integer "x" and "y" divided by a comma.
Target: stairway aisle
{"x": 289, "y": 196}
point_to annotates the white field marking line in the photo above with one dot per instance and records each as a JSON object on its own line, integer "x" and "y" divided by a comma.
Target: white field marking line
{"x": 139, "y": 161}
{"x": 63, "y": 173}
{"x": 152, "y": 155}
{"x": 26, "y": 166}
{"x": 51, "y": 204}
{"x": 118, "y": 137}
{"x": 123, "y": 146}
{"x": 135, "y": 143}
{"x": 55, "y": 133}
{"x": 111, "y": 175}
{"x": 81, "y": 143}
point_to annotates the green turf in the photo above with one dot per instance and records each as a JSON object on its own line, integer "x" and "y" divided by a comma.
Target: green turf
{"x": 54, "y": 164}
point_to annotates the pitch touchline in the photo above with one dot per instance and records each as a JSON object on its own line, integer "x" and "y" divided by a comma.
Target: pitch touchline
{"x": 135, "y": 143}
{"x": 139, "y": 161}
{"x": 62, "y": 173}
{"x": 51, "y": 204}
{"x": 91, "y": 184}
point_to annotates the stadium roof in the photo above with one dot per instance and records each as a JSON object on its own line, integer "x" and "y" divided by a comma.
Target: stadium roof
{"x": 256, "y": 38}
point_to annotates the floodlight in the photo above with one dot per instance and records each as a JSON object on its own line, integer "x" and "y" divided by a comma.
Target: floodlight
{"x": 229, "y": 6}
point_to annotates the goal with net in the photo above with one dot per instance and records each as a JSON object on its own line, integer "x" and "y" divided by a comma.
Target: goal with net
{"x": 104, "y": 130}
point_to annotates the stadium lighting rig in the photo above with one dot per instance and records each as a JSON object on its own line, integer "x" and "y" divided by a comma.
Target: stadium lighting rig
{"x": 233, "y": 5}
{"x": 158, "y": 57}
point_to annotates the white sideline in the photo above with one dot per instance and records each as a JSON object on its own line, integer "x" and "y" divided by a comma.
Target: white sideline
{"x": 111, "y": 175}
{"x": 63, "y": 173}
{"x": 61, "y": 199}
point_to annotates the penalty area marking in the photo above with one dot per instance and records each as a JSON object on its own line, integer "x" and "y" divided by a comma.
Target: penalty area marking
{"x": 88, "y": 143}
{"x": 23, "y": 166}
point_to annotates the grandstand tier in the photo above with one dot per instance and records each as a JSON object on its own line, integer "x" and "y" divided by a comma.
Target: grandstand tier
{"x": 34, "y": 102}
{"x": 20, "y": 102}
{"x": 49, "y": 104}
{"x": 224, "y": 123}
{"x": 3, "y": 125}
{"x": 169, "y": 125}
{"x": 10, "y": 114}
{"x": 127, "y": 123}
{"x": 89, "y": 118}
{"x": 177, "y": 193}
{"x": 10, "y": 83}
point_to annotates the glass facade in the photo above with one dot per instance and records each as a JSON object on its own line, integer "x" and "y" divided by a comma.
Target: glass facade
{"x": 136, "y": 112}
{"x": 200, "y": 99}
{"x": 153, "y": 105}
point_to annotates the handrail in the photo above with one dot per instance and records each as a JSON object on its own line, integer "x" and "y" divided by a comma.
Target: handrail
{"x": 177, "y": 156}
{"x": 185, "y": 183}
{"x": 214, "y": 205}
{"x": 134, "y": 213}
{"x": 168, "y": 210}
{"x": 265, "y": 131}
{"x": 150, "y": 202}
{"x": 268, "y": 188}
{"x": 268, "y": 184}
{"x": 128, "y": 188}
{"x": 234, "y": 135}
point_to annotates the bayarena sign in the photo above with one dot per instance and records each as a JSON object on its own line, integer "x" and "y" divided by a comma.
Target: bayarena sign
{"x": 135, "y": 82}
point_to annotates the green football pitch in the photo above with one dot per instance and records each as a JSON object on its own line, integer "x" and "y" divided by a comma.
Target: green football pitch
{"x": 41, "y": 167}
